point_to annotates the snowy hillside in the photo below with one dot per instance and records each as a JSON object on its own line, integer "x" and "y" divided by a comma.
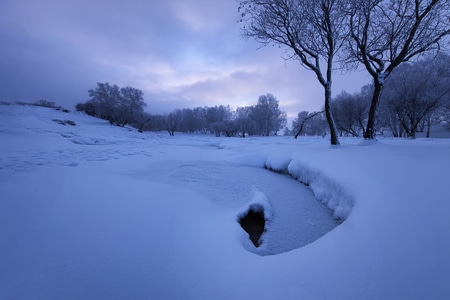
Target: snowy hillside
{"x": 93, "y": 211}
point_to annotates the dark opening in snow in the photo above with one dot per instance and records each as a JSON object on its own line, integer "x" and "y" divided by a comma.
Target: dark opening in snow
{"x": 253, "y": 223}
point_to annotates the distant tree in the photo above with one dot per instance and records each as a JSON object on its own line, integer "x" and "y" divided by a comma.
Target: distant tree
{"x": 172, "y": 121}
{"x": 199, "y": 113}
{"x": 287, "y": 131}
{"x": 350, "y": 112}
{"x": 131, "y": 104}
{"x": 87, "y": 107}
{"x": 443, "y": 117}
{"x": 267, "y": 116}
{"x": 387, "y": 120}
{"x": 156, "y": 123}
{"x": 189, "y": 122}
{"x": 244, "y": 123}
{"x": 227, "y": 128}
{"x": 105, "y": 98}
{"x": 230, "y": 128}
{"x": 141, "y": 120}
{"x": 245, "y": 126}
{"x": 387, "y": 33}
{"x": 311, "y": 30}
{"x": 309, "y": 123}
{"x": 317, "y": 126}
{"x": 415, "y": 91}
{"x": 118, "y": 105}
{"x": 218, "y": 113}
{"x": 45, "y": 103}
{"x": 217, "y": 127}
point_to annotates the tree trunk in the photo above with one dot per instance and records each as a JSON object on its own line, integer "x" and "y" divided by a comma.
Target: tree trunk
{"x": 331, "y": 124}
{"x": 428, "y": 126}
{"x": 370, "y": 129}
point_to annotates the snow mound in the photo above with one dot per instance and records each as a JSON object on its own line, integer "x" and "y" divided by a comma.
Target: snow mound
{"x": 258, "y": 205}
{"x": 325, "y": 189}
{"x": 278, "y": 163}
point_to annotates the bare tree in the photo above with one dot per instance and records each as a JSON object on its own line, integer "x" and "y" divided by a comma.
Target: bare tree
{"x": 302, "y": 119}
{"x": 171, "y": 121}
{"x": 141, "y": 120}
{"x": 386, "y": 33}
{"x": 311, "y": 30}
{"x": 350, "y": 112}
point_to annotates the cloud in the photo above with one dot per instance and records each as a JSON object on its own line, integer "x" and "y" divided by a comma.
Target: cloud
{"x": 179, "y": 53}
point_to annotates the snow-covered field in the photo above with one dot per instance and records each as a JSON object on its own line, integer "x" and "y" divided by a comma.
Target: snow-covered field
{"x": 93, "y": 211}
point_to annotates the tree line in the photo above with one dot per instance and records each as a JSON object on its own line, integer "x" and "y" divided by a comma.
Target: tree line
{"x": 415, "y": 97}
{"x": 122, "y": 106}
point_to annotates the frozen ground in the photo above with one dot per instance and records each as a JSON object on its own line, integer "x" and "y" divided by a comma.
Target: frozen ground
{"x": 93, "y": 211}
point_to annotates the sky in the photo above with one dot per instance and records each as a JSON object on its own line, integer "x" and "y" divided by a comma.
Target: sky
{"x": 179, "y": 53}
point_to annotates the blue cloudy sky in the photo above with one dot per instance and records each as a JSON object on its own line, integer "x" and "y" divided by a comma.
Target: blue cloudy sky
{"x": 179, "y": 53}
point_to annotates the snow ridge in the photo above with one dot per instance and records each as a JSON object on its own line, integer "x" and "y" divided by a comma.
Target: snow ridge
{"x": 327, "y": 190}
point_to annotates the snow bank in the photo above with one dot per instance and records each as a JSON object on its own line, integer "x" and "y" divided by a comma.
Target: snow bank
{"x": 259, "y": 203}
{"x": 325, "y": 189}
{"x": 278, "y": 163}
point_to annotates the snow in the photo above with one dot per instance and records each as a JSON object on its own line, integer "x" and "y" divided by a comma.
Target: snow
{"x": 94, "y": 211}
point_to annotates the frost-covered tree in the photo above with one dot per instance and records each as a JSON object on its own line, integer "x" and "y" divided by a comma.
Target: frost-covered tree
{"x": 189, "y": 122}
{"x": 87, "y": 107}
{"x": 267, "y": 116}
{"x": 443, "y": 117}
{"x": 350, "y": 111}
{"x": 244, "y": 123}
{"x": 309, "y": 123}
{"x": 172, "y": 121}
{"x": 386, "y": 33}
{"x": 311, "y": 31}
{"x": 415, "y": 91}
{"x": 141, "y": 120}
{"x": 104, "y": 98}
{"x": 118, "y": 105}
{"x": 218, "y": 113}
{"x": 131, "y": 104}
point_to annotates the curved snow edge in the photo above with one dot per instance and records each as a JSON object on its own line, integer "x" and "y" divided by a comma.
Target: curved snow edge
{"x": 258, "y": 203}
{"x": 325, "y": 189}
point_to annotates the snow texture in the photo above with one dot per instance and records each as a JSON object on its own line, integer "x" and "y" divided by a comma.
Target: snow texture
{"x": 94, "y": 211}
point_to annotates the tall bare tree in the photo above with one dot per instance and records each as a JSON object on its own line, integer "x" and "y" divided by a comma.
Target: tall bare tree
{"x": 311, "y": 30}
{"x": 386, "y": 33}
